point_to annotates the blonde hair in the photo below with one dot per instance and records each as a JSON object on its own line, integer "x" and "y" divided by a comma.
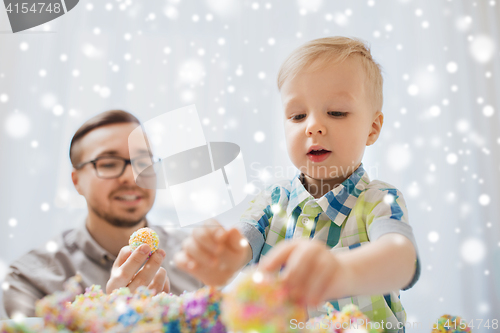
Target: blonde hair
{"x": 333, "y": 50}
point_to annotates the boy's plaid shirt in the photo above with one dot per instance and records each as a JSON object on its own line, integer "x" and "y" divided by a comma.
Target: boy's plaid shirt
{"x": 352, "y": 214}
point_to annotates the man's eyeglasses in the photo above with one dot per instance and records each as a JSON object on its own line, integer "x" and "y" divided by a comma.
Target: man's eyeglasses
{"x": 113, "y": 166}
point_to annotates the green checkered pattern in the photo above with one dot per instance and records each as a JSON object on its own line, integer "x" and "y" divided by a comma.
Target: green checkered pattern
{"x": 341, "y": 219}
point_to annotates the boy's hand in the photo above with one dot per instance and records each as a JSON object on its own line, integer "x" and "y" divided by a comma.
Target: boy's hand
{"x": 213, "y": 254}
{"x": 312, "y": 273}
{"x": 127, "y": 271}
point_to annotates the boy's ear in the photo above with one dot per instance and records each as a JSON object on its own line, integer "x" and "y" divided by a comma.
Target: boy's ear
{"x": 377, "y": 123}
{"x": 74, "y": 178}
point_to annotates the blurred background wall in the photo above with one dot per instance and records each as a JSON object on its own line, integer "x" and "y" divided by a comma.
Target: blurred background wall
{"x": 439, "y": 144}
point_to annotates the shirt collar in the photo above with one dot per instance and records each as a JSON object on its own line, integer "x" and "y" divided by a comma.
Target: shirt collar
{"x": 90, "y": 247}
{"x": 338, "y": 202}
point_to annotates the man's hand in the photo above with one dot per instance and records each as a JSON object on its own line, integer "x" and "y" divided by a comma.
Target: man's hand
{"x": 213, "y": 254}
{"x": 127, "y": 271}
{"x": 312, "y": 273}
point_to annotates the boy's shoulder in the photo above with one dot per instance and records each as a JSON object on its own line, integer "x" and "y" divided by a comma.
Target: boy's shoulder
{"x": 380, "y": 185}
{"x": 283, "y": 183}
{"x": 379, "y": 188}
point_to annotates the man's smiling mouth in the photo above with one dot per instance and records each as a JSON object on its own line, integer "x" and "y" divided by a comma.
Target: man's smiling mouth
{"x": 129, "y": 197}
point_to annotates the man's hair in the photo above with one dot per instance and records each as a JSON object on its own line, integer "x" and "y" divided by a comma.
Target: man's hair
{"x": 334, "y": 50}
{"x": 102, "y": 119}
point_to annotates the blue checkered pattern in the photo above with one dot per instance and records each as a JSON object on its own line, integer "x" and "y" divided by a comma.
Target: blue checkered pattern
{"x": 344, "y": 219}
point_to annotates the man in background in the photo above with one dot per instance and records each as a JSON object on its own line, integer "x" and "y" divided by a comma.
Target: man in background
{"x": 117, "y": 206}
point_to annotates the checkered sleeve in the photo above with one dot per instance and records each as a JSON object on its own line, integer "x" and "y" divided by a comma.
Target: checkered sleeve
{"x": 254, "y": 222}
{"x": 388, "y": 214}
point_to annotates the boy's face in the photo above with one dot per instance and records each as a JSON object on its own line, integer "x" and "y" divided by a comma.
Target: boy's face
{"x": 329, "y": 108}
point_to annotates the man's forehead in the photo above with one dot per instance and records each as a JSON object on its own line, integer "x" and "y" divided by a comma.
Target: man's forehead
{"x": 113, "y": 152}
{"x": 109, "y": 140}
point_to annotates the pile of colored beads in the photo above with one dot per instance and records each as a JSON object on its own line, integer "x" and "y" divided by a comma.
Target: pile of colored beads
{"x": 447, "y": 323}
{"x": 260, "y": 303}
{"x": 123, "y": 311}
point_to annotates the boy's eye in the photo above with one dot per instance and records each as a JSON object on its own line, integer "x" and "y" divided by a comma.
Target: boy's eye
{"x": 337, "y": 114}
{"x": 298, "y": 117}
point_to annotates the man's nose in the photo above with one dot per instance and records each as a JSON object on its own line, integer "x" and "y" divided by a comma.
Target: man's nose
{"x": 127, "y": 175}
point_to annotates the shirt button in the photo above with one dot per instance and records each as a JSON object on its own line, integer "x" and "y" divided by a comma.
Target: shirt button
{"x": 305, "y": 221}
{"x": 103, "y": 261}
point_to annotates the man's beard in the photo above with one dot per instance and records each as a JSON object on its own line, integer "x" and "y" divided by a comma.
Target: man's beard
{"x": 117, "y": 221}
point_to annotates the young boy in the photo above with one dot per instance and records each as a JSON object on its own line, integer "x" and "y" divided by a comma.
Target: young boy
{"x": 341, "y": 237}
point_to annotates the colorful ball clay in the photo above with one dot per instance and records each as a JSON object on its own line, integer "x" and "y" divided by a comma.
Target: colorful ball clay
{"x": 350, "y": 319}
{"x": 447, "y": 323}
{"x": 260, "y": 303}
{"x": 256, "y": 303}
{"x": 122, "y": 311}
{"x": 144, "y": 236}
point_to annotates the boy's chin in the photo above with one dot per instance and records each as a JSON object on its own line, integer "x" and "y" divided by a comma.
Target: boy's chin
{"x": 323, "y": 175}
{"x": 329, "y": 172}
{"x": 333, "y": 177}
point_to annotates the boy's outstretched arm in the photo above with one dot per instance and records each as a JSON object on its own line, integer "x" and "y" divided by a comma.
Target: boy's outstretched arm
{"x": 213, "y": 254}
{"x": 314, "y": 274}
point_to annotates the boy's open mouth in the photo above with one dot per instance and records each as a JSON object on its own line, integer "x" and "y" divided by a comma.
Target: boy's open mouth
{"x": 318, "y": 152}
{"x": 318, "y": 156}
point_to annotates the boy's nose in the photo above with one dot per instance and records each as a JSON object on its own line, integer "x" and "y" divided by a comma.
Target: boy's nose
{"x": 315, "y": 127}
{"x": 318, "y": 131}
